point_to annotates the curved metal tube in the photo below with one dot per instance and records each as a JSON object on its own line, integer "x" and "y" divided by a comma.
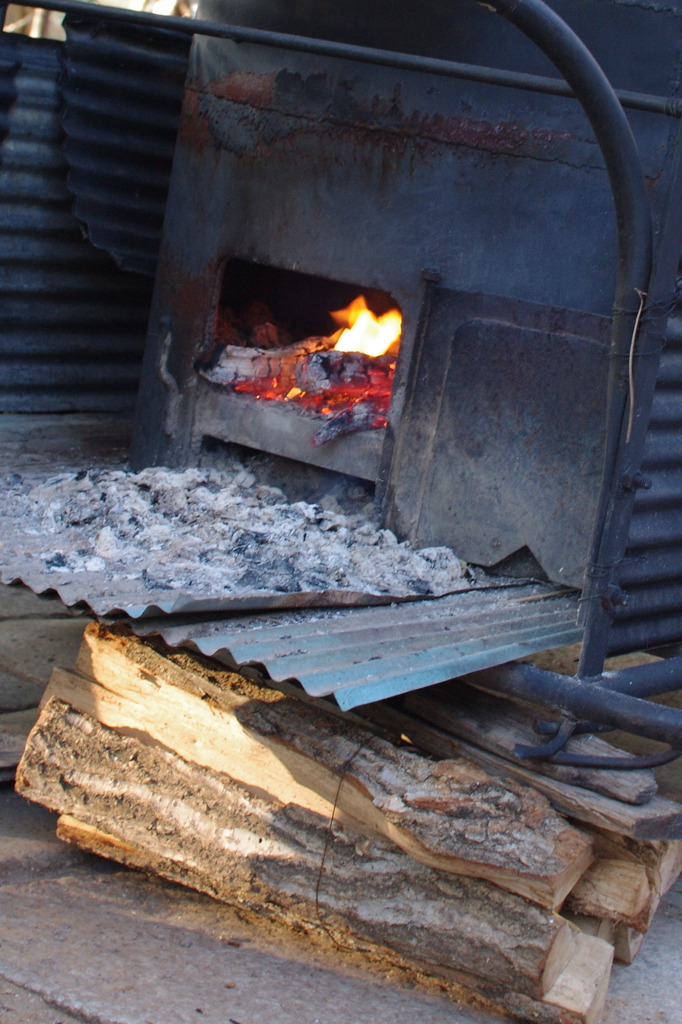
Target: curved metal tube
{"x": 642, "y": 681}
{"x": 669, "y": 106}
{"x": 584, "y": 700}
{"x": 633, "y": 217}
{"x": 613, "y": 133}
{"x": 555, "y": 749}
{"x": 618, "y": 764}
{"x": 564, "y": 731}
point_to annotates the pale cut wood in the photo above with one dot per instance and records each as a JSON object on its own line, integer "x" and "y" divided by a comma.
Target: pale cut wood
{"x": 661, "y": 858}
{"x": 658, "y": 819}
{"x": 669, "y": 867}
{"x": 583, "y": 986}
{"x": 616, "y": 890}
{"x": 626, "y": 941}
{"x": 497, "y": 724}
{"x": 627, "y": 944}
{"x": 199, "y": 827}
{"x": 449, "y": 815}
{"x": 600, "y": 928}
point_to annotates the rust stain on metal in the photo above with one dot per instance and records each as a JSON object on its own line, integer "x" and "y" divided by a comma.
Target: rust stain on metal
{"x": 256, "y": 90}
{"x": 332, "y": 105}
{"x": 497, "y": 137}
{"x": 194, "y": 122}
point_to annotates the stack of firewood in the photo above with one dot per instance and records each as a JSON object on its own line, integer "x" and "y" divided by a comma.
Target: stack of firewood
{"x": 395, "y": 833}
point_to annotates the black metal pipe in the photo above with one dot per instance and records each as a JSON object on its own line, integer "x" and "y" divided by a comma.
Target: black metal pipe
{"x": 619, "y": 764}
{"x": 633, "y": 216}
{"x": 648, "y": 680}
{"x": 668, "y": 106}
{"x": 584, "y": 700}
{"x": 564, "y": 731}
{"x": 616, "y": 141}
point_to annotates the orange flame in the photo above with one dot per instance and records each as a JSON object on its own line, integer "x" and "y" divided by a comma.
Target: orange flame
{"x": 365, "y": 332}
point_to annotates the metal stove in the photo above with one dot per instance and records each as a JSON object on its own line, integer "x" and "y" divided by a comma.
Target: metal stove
{"x": 472, "y": 165}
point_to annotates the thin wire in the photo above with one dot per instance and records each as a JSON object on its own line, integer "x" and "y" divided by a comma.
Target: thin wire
{"x": 328, "y": 839}
{"x": 631, "y": 364}
{"x": 654, "y": 310}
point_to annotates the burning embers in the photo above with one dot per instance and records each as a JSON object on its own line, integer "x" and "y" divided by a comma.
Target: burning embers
{"x": 345, "y": 377}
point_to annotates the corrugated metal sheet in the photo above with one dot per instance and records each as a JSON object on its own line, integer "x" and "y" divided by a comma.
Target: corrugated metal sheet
{"x": 72, "y": 325}
{"x": 652, "y": 569}
{"x": 123, "y": 90}
{"x": 367, "y": 654}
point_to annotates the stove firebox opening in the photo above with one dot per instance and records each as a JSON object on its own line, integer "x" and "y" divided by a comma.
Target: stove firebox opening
{"x": 321, "y": 352}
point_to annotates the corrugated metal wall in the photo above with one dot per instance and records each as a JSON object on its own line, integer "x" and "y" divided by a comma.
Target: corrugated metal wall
{"x": 72, "y": 325}
{"x": 652, "y": 568}
{"x": 123, "y": 88}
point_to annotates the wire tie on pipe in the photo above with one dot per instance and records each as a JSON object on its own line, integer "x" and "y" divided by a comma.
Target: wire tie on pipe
{"x": 631, "y": 364}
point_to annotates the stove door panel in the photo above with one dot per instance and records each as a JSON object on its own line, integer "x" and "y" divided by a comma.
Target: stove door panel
{"x": 503, "y": 451}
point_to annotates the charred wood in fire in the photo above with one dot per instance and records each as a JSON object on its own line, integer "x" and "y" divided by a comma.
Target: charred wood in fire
{"x": 328, "y": 371}
{"x": 237, "y": 364}
{"x": 364, "y": 415}
{"x": 351, "y": 390}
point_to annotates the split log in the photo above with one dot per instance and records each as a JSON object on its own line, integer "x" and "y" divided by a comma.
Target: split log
{"x": 626, "y": 944}
{"x": 625, "y": 884}
{"x": 658, "y": 819}
{"x": 498, "y": 724}
{"x": 583, "y": 985}
{"x": 623, "y": 889}
{"x": 615, "y": 890}
{"x": 145, "y": 806}
{"x": 449, "y": 815}
{"x": 662, "y": 859}
{"x": 311, "y": 365}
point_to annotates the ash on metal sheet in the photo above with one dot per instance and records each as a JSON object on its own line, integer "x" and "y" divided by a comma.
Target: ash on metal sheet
{"x": 206, "y": 533}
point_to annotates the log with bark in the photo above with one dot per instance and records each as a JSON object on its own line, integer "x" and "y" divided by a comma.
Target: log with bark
{"x": 624, "y": 887}
{"x": 658, "y": 819}
{"x": 285, "y": 805}
{"x": 145, "y": 806}
{"x": 449, "y": 814}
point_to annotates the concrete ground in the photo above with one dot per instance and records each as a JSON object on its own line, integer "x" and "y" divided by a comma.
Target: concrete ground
{"x": 82, "y": 939}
